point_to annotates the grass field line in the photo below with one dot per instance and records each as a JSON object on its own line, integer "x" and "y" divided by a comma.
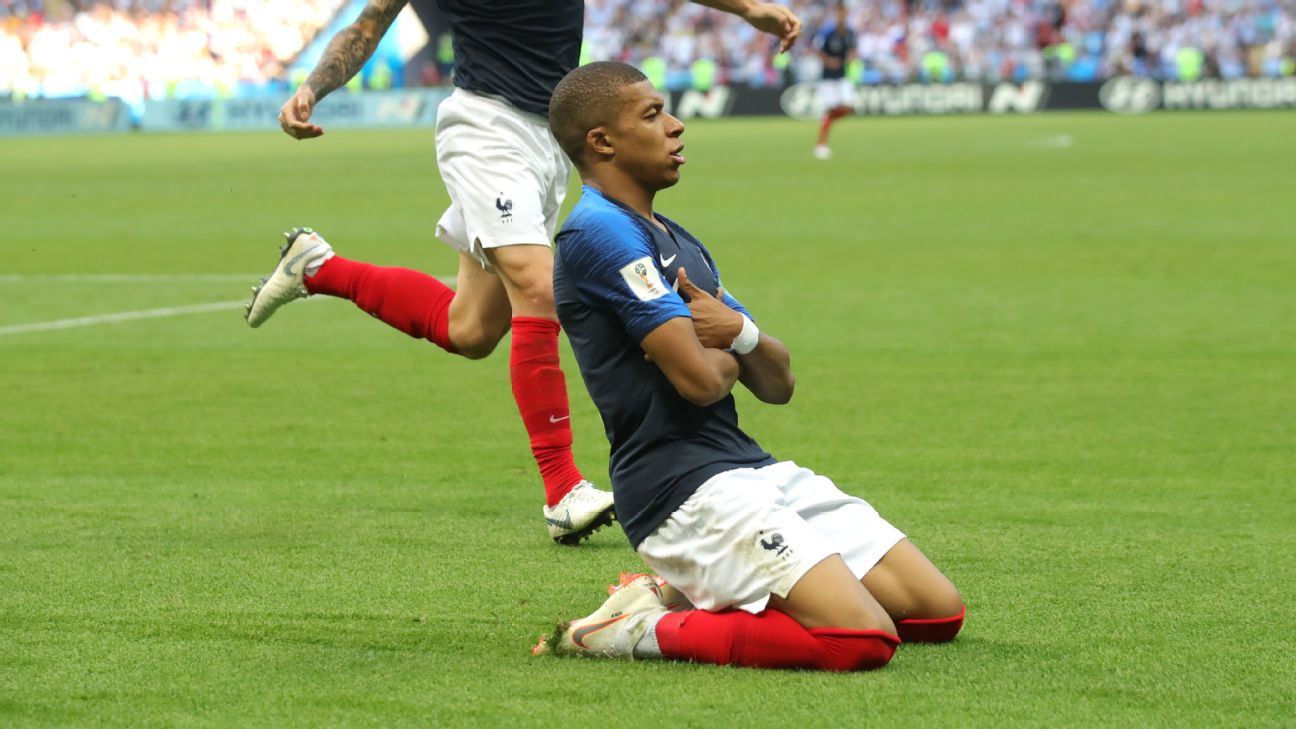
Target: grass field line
{"x": 1057, "y": 141}
{"x": 126, "y": 277}
{"x": 120, "y": 316}
{"x": 20, "y": 278}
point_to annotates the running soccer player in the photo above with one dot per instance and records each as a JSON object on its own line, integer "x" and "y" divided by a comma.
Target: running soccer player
{"x": 507, "y": 178}
{"x": 818, "y": 578}
{"x": 836, "y": 44}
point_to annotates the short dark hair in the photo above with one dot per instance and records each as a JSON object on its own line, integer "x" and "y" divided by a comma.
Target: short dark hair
{"x": 586, "y": 98}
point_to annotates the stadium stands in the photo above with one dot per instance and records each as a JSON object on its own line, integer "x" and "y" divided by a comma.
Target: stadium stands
{"x": 991, "y": 40}
{"x": 152, "y": 49}
{"x": 160, "y": 48}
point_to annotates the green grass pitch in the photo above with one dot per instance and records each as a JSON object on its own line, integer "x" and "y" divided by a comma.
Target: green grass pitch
{"x": 1059, "y": 351}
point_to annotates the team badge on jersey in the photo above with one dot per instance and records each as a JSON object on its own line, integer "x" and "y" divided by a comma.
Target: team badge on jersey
{"x": 644, "y": 279}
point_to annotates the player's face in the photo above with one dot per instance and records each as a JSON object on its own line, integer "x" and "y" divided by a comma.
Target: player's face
{"x": 648, "y": 138}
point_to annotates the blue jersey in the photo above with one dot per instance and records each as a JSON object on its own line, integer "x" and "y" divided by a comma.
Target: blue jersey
{"x": 614, "y": 283}
{"x": 516, "y": 49}
{"x": 836, "y": 42}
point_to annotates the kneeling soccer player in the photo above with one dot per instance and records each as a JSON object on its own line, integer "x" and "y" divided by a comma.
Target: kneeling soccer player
{"x": 780, "y": 568}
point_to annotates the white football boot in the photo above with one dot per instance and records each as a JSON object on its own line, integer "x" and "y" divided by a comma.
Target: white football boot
{"x": 305, "y": 249}
{"x": 615, "y": 629}
{"x": 673, "y": 598}
{"x": 583, "y": 511}
{"x": 823, "y": 151}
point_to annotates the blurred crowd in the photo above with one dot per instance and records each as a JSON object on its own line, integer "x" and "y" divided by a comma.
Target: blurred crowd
{"x": 944, "y": 40}
{"x": 138, "y": 49}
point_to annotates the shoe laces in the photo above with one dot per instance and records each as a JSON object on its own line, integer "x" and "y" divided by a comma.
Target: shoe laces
{"x": 626, "y": 578}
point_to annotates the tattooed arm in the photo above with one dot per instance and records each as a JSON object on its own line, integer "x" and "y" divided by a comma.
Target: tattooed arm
{"x": 345, "y": 56}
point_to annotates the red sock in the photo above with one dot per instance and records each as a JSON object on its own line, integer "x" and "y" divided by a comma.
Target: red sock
{"x": 540, "y": 389}
{"x": 770, "y": 639}
{"x": 824, "y": 126}
{"x": 410, "y": 301}
{"x": 931, "y": 630}
{"x": 831, "y": 116}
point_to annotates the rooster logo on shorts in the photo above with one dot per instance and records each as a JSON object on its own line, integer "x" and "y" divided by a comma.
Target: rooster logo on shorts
{"x": 775, "y": 544}
{"x": 504, "y": 206}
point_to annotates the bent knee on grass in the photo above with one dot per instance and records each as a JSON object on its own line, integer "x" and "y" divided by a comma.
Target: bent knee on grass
{"x": 829, "y": 596}
{"x": 909, "y": 586}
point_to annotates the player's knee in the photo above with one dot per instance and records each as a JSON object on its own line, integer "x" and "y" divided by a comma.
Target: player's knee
{"x": 864, "y": 617}
{"x": 474, "y": 341}
{"x": 528, "y": 274}
{"x": 942, "y": 601}
{"x": 853, "y": 650}
{"x": 935, "y": 629}
{"x": 480, "y": 350}
{"x": 533, "y": 292}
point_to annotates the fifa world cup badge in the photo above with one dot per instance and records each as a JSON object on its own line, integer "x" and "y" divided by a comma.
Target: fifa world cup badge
{"x": 639, "y": 276}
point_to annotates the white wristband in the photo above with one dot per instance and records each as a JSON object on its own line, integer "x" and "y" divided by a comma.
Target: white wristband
{"x": 747, "y": 339}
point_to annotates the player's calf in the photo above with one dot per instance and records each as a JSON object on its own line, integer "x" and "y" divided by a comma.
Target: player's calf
{"x": 770, "y": 639}
{"x": 635, "y": 623}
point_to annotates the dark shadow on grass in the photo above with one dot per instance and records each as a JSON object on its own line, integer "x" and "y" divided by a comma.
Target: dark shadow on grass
{"x": 11, "y": 710}
{"x": 379, "y": 633}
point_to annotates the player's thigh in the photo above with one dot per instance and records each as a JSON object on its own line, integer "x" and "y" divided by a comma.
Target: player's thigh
{"x": 479, "y": 313}
{"x": 908, "y": 585}
{"x": 830, "y": 596}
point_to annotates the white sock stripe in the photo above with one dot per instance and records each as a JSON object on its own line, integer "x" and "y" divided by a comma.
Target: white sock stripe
{"x": 120, "y": 316}
{"x": 646, "y": 646}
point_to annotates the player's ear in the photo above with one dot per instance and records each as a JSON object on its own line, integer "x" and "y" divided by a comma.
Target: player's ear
{"x": 597, "y": 140}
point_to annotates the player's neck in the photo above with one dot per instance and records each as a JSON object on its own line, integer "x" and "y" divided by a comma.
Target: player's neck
{"x": 629, "y": 193}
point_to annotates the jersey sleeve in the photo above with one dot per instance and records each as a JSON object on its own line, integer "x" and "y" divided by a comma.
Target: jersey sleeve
{"x": 737, "y": 306}
{"x": 820, "y": 38}
{"x": 613, "y": 267}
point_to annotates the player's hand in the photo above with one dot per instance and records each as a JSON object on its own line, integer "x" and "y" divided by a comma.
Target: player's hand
{"x": 715, "y": 324}
{"x": 776, "y": 20}
{"x": 295, "y": 115}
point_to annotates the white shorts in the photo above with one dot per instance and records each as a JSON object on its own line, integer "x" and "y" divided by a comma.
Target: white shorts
{"x": 505, "y": 173}
{"x": 834, "y": 92}
{"x": 752, "y": 532}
